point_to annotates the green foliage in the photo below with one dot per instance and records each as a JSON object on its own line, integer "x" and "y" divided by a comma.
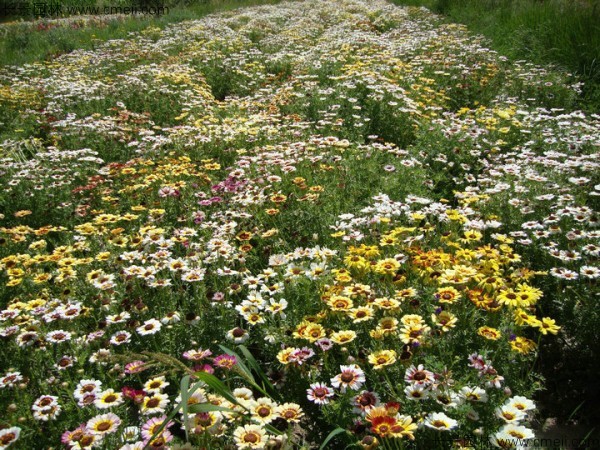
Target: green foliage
{"x": 561, "y": 32}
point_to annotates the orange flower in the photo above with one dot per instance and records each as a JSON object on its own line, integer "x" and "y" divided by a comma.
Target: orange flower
{"x": 383, "y": 425}
{"x": 489, "y": 333}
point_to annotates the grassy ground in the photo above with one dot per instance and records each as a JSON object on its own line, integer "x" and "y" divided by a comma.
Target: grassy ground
{"x": 562, "y": 32}
{"x": 24, "y": 42}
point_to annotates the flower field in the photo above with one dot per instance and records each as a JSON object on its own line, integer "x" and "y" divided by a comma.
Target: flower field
{"x": 339, "y": 224}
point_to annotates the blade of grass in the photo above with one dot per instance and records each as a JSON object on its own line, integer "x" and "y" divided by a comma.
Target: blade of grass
{"x": 271, "y": 429}
{"x": 584, "y": 440}
{"x": 331, "y": 435}
{"x": 575, "y": 410}
{"x": 185, "y": 395}
{"x": 262, "y": 375}
{"x": 217, "y": 385}
{"x": 207, "y": 407}
{"x": 240, "y": 364}
{"x": 245, "y": 372}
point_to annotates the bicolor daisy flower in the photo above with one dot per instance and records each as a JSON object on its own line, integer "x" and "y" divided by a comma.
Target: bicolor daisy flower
{"x": 440, "y": 421}
{"x": 521, "y": 403}
{"x": 10, "y": 379}
{"x": 250, "y": 437}
{"x": 263, "y": 410}
{"x": 135, "y": 367}
{"x": 151, "y": 427}
{"x": 108, "y": 399}
{"x": 150, "y": 326}
{"x": 365, "y": 401}
{"x": 319, "y": 393}
{"x": 290, "y": 412}
{"x": 155, "y": 385}
{"x": 382, "y": 358}
{"x": 351, "y": 377}
{"x": 419, "y": 375}
{"x": 511, "y": 436}
{"x": 416, "y": 392}
{"x": 509, "y": 414}
{"x": 8, "y": 436}
{"x": 225, "y": 361}
{"x": 155, "y": 404}
{"x": 103, "y": 424}
{"x": 474, "y": 394}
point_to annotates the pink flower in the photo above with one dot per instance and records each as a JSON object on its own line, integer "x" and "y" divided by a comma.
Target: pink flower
{"x": 319, "y": 393}
{"x": 225, "y": 361}
{"x": 150, "y": 428}
{"x": 204, "y": 368}
{"x": 197, "y": 355}
{"x": 70, "y": 437}
{"x": 324, "y": 344}
{"x": 134, "y": 367}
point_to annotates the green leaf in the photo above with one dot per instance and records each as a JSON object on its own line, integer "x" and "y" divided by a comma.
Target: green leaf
{"x": 271, "y": 429}
{"x": 256, "y": 367}
{"x": 163, "y": 425}
{"x": 217, "y": 385}
{"x": 333, "y": 434}
{"x": 240, "y": 363}
{"x": 243, "y": 369}
{"x": 185, "y": 395}
{"x": 207, "y": 407}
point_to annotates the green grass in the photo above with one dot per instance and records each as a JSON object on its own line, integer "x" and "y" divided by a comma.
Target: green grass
{"x": 561, "y": 32}
{"x": 24, "y": 42}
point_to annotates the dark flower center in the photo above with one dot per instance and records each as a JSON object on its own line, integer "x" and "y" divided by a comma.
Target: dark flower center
{"x": 86, "y": 441}
{"x": 419, "y": 376}
{"x": 153, "y": 403}
{"x": 103, "y": 426}
{"x": 263, "y": 411}
{"x": 251, "y": 438}
{"x": 238, "y": 332}
{"x": 347, "y": 377}
{"x": 7, "y": 438}
{"x": 320, "y": 392}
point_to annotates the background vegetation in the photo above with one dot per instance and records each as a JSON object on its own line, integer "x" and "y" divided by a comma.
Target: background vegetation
{"x": 24, "y": 41}
{"x": 561, "y": 32}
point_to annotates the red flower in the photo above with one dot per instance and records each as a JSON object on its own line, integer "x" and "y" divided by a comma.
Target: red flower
{"x": 137, "y": 395}
{"x": 383, "y": 425}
